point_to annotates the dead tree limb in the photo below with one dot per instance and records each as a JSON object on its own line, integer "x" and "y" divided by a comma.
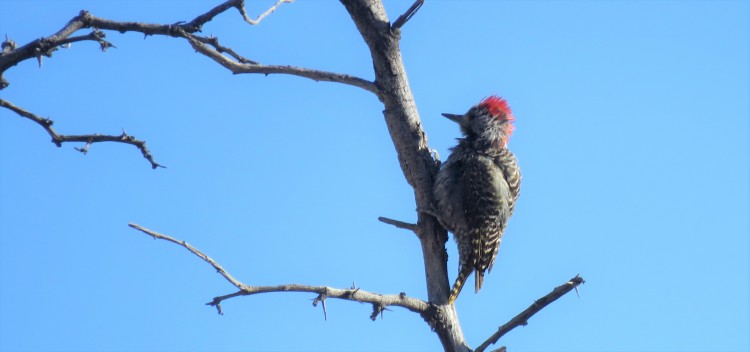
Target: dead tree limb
{"x": 399, "y": 224}
{"x": 89, "y": 139}
{"x": 238, "y": 67}
{"x": 522, "y": 318}
{"x": 11, "y": 55}
{"x": 379, "y": 301}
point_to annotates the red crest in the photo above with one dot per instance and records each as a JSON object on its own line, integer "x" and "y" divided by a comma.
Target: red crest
{"x": 497, "y": 106}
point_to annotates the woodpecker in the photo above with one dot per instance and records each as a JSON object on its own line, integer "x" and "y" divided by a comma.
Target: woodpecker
{"x": 476, "y": 189}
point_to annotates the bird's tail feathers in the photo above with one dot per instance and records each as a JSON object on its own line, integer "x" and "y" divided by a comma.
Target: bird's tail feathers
{"x": 478, "y": 280}
{"x": 463, "y": 274}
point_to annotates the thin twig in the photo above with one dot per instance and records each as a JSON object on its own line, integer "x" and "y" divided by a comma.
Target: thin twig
{"x": 95, "y": 35}
{"x": 59, "y": 139}
{"x": 263, "y": 15}
{"x": 399, "y": 224}
{"x": 195, "y": 251}
{"x": 322, "y": 300}
{"x": 523, "y": 317}
{"x": 401, "y": 20}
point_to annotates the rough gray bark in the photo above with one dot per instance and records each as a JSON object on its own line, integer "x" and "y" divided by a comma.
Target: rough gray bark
{"x": 414, "y": 156}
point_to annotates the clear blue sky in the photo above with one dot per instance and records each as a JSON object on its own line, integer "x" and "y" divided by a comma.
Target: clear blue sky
{"x": 632, "y": 135}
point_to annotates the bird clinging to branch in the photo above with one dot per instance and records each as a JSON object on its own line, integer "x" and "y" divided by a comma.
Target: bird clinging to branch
{"x": 476, "y": 189}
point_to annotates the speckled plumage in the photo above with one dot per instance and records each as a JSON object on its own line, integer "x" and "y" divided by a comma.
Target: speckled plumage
{"x": 476, "y": 189}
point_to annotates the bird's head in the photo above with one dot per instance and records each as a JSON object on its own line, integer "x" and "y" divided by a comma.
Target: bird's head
{"x": 490, "y": 120}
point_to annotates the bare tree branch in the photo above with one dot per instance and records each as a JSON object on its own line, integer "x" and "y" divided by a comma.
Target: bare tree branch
{"x": 238, "y": 67}
{"x": 209, "y": 46}
{"x": 350, "y": 294}
{"x": 523, "y": 317}
{"x": 242, "y": 65}
{"x": 89, "y": 139}
{"x": 45, "y": 46}
{"x": 410, "y": 12}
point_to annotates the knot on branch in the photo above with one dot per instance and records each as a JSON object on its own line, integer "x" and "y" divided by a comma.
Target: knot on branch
{"x": 98, "y": 36}
{"x": 434, "y": 318}
{"x": 176, "y": 29}
{"x": 216, "y": 303}
{"x": 85, "y": 17}
{"x": 320, "y": 299}
{"x": 85, "y": 149}
{"x": 578, "y": 280}
{"x": 44, "y": 47}
{"x": 191, "y": 27}
{"x": 128, "y": 138}
{"x": 377, "y": 308}
{"x": 350, "y": 294}
{"x": 8, "y": 45}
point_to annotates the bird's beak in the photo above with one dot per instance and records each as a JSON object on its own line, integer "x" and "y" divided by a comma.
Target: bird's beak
{"x": 455, "y": 118}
